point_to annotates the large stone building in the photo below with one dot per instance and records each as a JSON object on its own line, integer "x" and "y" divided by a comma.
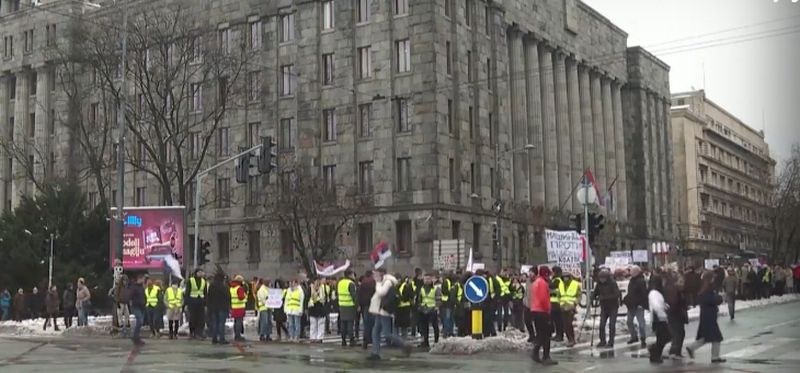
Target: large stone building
{"x": 434, "y": 103}
{"x": 724, "y": 177}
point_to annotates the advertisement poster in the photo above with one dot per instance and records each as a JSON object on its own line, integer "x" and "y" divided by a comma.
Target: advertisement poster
{"x": 149, "y": 236}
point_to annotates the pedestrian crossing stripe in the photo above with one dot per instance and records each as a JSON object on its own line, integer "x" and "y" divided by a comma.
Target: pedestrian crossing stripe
{"x": 752, "y": 350}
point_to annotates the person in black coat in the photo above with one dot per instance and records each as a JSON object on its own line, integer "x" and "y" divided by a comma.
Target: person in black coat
{"x": 607, "y": 293}
{"x": 364, "y": 294}
{"x": 692, "y": 285}
{"x": 636, "y": 302}
{"x": 35, "y": 303}
{"x": 219, "y": 306}
{"x": 137, "y": 305}
{"x": 677, "y": 313}
{"x": 708, "y": 331}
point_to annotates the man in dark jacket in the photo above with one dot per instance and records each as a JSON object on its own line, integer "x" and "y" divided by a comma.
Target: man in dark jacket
{"x": 35, "y": 303}
{"x": 52, "y": 303}
{"x": 137, "y": 306}
{"x": 677, "y": 312}
{"x": 691, "y": 285}
{"x": 636, "y": 302}
{"x": 68, "y": 301}
{"x": 366, "y": 290}
{"x": 219, "y": 305}
{"x": 607, "y": 293}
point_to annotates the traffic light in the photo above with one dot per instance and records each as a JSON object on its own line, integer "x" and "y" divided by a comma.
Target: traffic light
{"x": 268, "y": 158}
{"x": 243, "y": 168}
{"x": 202, "y": 256}
{"x": 595, "y": 225}
{"x": 577, "y": 221}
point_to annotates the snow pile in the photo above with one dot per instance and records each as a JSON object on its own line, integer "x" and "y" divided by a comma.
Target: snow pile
{"x": 99, "y": 325}
{"x": 507, "y": 341}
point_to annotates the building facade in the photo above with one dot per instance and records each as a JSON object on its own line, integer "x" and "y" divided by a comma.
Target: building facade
{"x": 724, "y": 177}
{"x": 444, "y": 107}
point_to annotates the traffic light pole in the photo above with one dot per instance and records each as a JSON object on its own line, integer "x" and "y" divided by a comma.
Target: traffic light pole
{"x": 587, "y": 276}
{"x": 199, "y": 182}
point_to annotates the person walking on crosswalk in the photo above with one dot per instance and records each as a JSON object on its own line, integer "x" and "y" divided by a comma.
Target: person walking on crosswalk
{"x": 708, "y": 331}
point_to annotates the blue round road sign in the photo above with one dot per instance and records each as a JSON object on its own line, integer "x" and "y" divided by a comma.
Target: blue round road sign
{"x": 476, "y": 289}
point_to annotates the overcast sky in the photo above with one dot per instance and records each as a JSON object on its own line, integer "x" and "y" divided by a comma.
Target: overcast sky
{"x": 757, "y": 80}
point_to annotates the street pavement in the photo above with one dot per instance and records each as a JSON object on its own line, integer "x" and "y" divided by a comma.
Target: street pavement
{"x": 759, "y": 340}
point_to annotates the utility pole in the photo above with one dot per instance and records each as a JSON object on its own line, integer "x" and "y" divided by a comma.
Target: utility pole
{"x": 121, "y": 140}
{"x": 50, "y": 271}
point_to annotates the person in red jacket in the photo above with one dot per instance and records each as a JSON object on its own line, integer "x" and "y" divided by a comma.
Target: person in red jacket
{"x": 540, "y": 309}
{"x": 238, "y": 304}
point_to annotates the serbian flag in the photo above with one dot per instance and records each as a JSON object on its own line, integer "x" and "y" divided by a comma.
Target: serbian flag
{"x": 380, "y": 253}
{"x": 590, "y": 179}
{"x": 328, "y": 269}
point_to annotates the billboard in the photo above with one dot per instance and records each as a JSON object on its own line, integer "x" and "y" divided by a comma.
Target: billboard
{"x": 149, "y": 236}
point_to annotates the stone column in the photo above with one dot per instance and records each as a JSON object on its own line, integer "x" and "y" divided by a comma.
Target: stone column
{"x": 599, "y": 132}
{"x": 41, "y": 109}
{"x": 4, "y": 114}
{"x": 519, "y": 115}
{"x": 549, "y": 133}
{"x": 654, "y": 190}
{"x": 611, "y": 154}
{"x": 586, "y": 119}
{"x": 562, "y": 129}
{"x": 621, "y": 188}
{"x": 667, "y": 143}
{"x": 21, "y": 118}
{"x": 535, "y": 132}
{"x": 576, "y": 129}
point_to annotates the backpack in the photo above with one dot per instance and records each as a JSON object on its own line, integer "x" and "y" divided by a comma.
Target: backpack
{"x": 390, "y": 301}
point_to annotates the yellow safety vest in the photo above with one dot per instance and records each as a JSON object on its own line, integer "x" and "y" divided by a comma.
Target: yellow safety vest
{"x": 293, "y": 300}
{"x": 490, "y": 280}
{"x": 194, "y": 290}
{"x": 570, "y": 295}
{"x": 236, "y": 303}
{"x": 174, "y": 297}
{"x": 446, "y": 289}
{"x": 460, "y": 290}
{"x": 343, "y": 293}
{"x": 260, "y": 306}
{"x": 152, "y": 296}
{"x": 503, "y": 286}
{"x": 429, "y": 298}
{"x": 405, "y": 303}
{"x": 518, "y": 292}
{"x": 554, "y": 293}
{"x": 767, "y": 273}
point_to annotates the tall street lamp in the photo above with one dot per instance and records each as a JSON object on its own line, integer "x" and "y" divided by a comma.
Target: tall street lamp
{"x": 498, "y": 204}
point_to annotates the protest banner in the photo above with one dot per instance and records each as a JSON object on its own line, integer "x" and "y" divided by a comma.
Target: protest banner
{"x": 565, "y": 248}
{"x": 639, "y": 256}
{"x": 710, "y": 263}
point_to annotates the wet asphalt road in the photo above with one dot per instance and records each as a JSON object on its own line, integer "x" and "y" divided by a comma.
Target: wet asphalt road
{"x": 760, "y": 340}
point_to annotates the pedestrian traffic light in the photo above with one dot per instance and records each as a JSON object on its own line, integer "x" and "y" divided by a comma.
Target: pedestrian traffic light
{"x": 495, "y": 241}
{"x": 595, "y": 225}
{"x": 267, "y": 159}
{"x": 243, "y": 167}
{"x": 577, "y": 221}
{"x": 202, "y": 256}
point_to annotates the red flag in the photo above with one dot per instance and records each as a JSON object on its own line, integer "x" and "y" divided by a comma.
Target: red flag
{"x": 590, "y": 179}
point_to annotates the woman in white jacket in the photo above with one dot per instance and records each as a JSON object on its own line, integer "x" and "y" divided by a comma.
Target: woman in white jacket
{"x": 658, "y": 311}
{"x": 384, "y": 283}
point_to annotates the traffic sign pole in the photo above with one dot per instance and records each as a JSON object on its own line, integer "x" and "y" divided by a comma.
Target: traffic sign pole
{"x": 477, "y": 321}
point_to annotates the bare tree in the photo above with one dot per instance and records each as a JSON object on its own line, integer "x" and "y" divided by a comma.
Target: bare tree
{"x": 785, "y": 210}
{"x": 172, "y": 65}
{"x": 314, "y": 212}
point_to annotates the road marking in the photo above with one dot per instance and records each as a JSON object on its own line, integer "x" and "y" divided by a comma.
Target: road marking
{"x": 780, "y": 324}
{"x": 26, "y": 353}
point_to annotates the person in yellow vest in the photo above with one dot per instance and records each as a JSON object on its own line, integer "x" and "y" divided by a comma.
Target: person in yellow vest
{"x": 516, "y": 288}
{"x": 503, "y": 303}
{"x": 174, "y": 297}
{"x": 238, "y": 302}
{"x": 555, "y": 309}
{"x": 402, "y": 317}
{"x": 151, "y": 294}
{"x": 569, "y": 290}
{"x": 346, "y": 295}
{"x": 448, "y": 305}
{"x": 195, "y": 295}
{"x": 264, "y": 313}
{"x": 293, "y": 307}
{"x": 429, "y": 299}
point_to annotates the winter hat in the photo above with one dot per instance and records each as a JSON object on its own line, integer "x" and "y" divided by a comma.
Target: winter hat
{"x": 635, "y": 270}
{"x": 238, "y": 278}
{"x": 544, "y": 271}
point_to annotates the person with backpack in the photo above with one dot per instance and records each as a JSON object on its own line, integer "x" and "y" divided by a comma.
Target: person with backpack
{"x": 383, "y": 304}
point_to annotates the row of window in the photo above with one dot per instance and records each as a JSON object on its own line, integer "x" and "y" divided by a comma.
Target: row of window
{"x": 731, "y": 160}
{"x": 732, "y": 211}
{"x": 741, "y": 188}
{"x": 28, "y": 41}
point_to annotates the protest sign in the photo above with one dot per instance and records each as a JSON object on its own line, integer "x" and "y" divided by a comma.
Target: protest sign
{"x": 565, "y": 248}
{"x": 275, "y": 298}
{"x": 640, "y": 256}
{"x": 710, "y": 263}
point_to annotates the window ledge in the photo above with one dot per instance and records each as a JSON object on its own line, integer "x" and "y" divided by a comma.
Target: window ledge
{"x": 286, "y": 97}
